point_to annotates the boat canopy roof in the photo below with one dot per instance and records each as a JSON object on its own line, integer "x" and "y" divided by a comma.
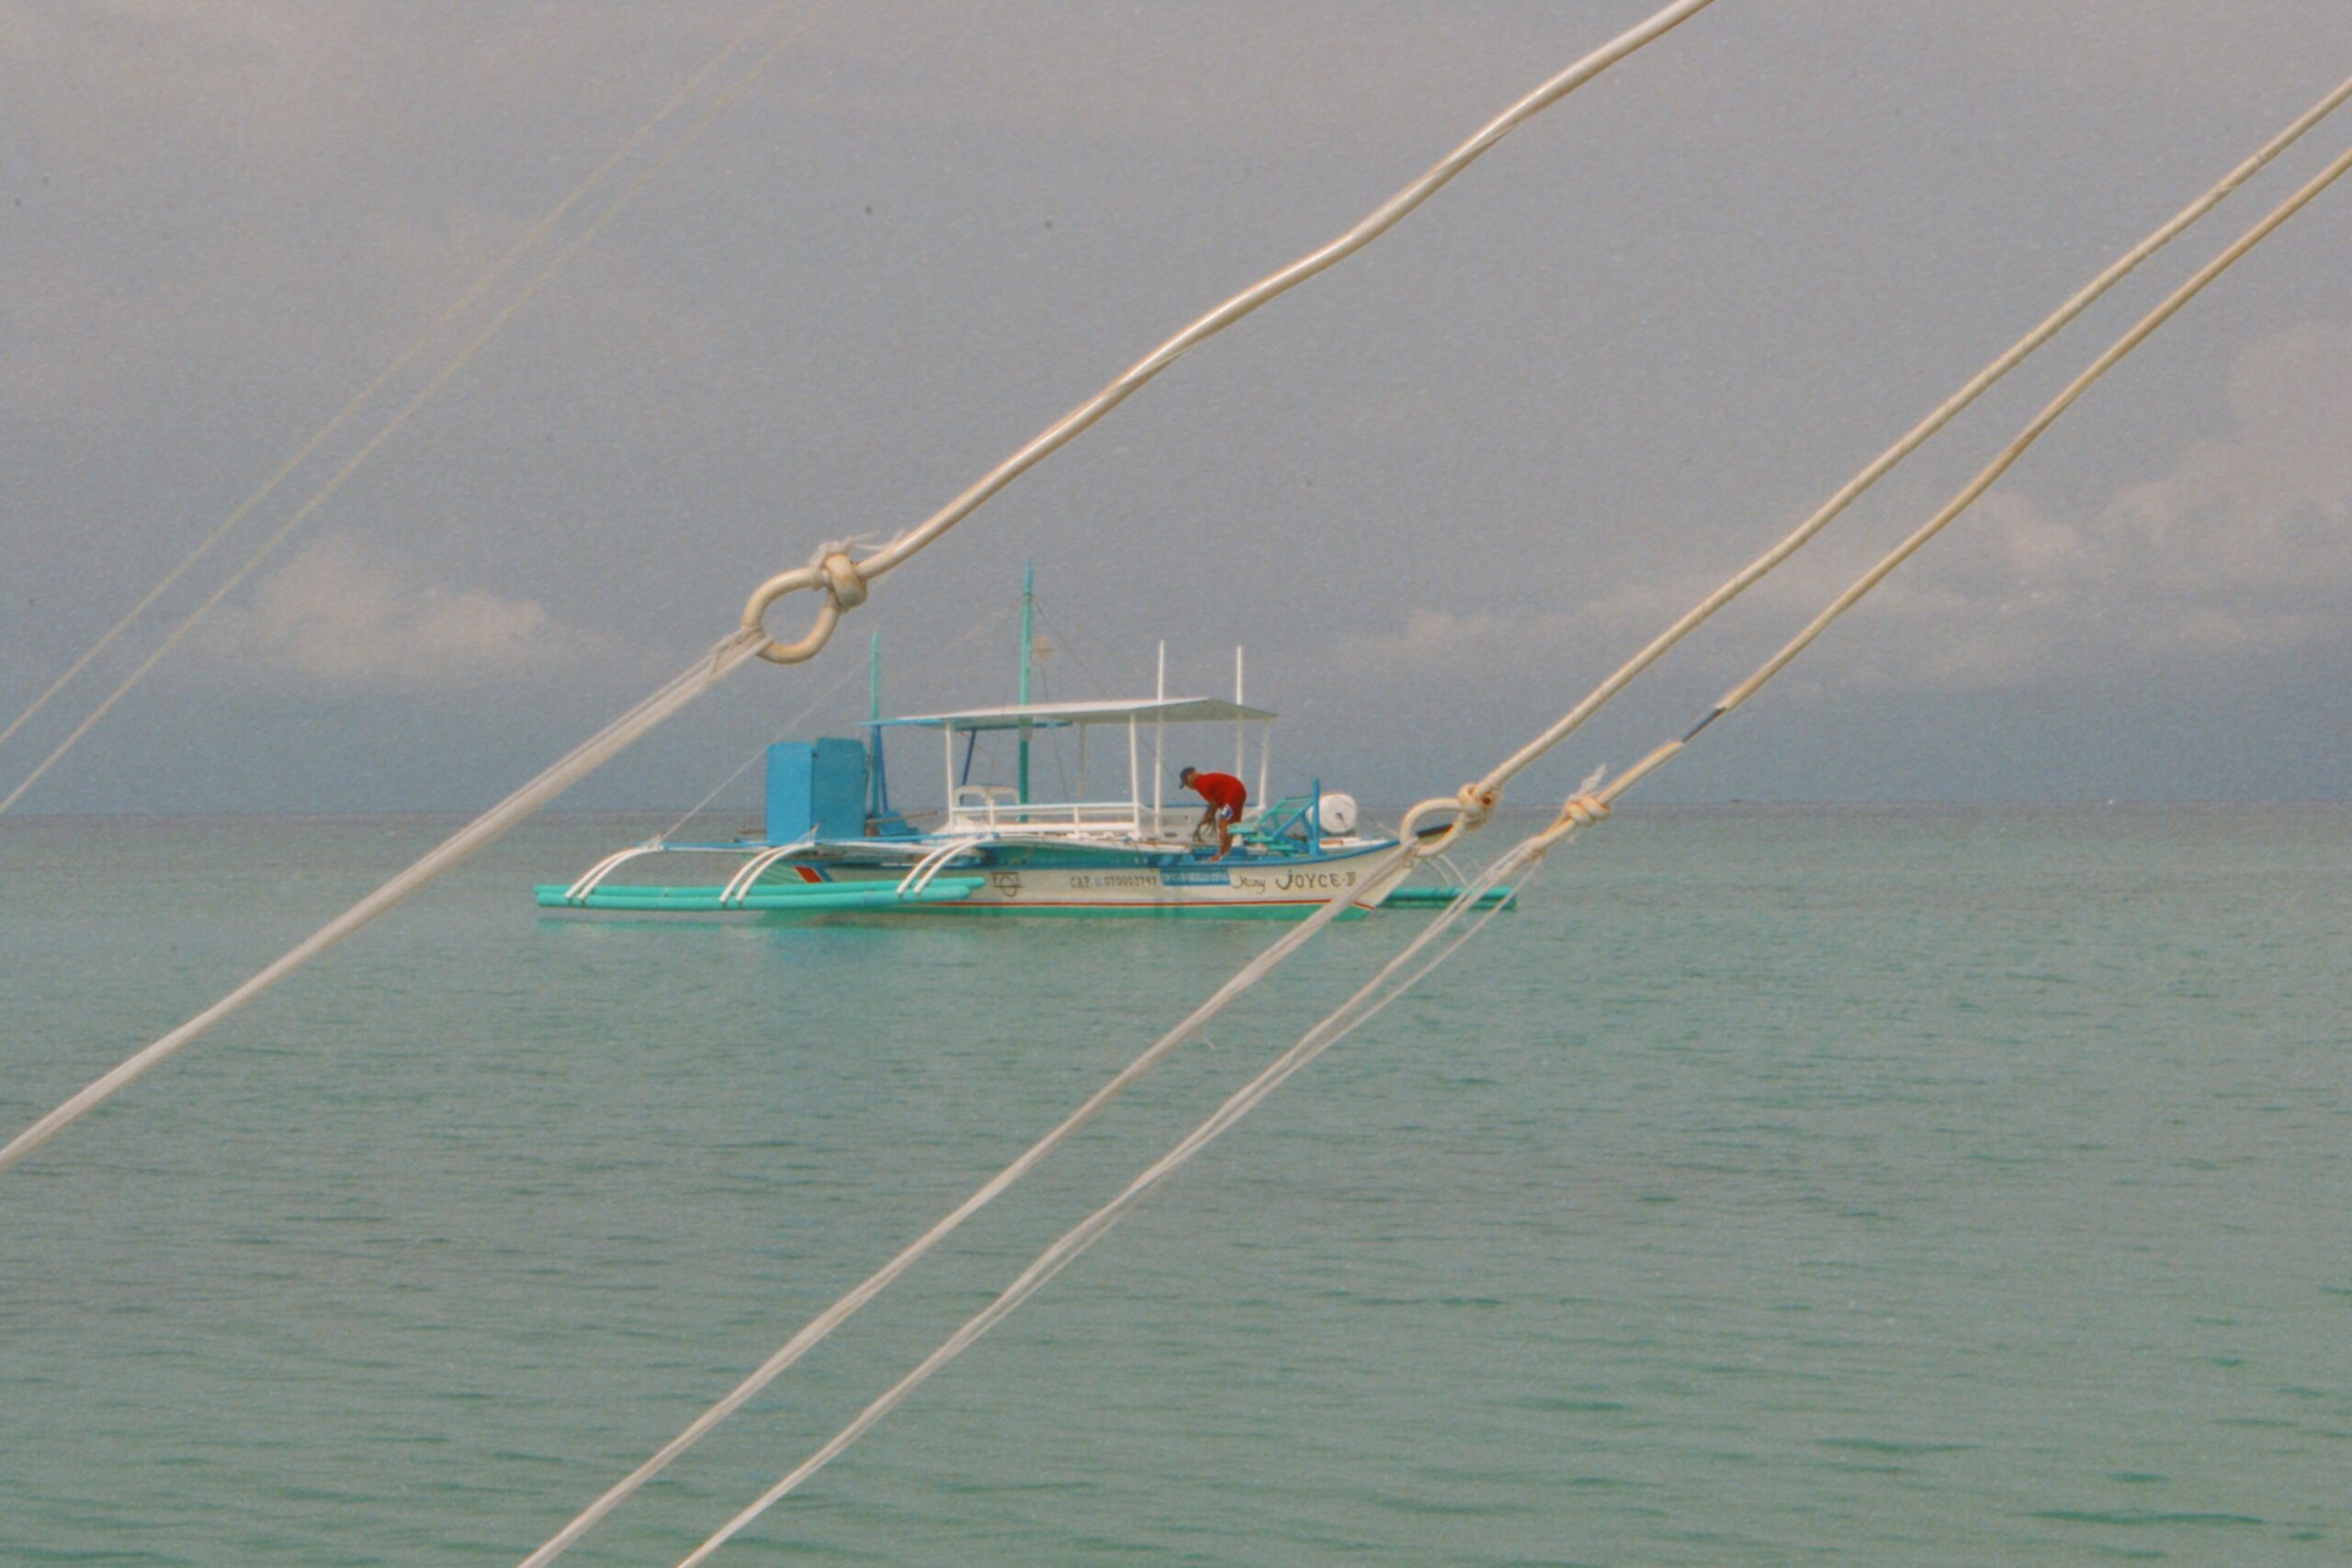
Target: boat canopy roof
{"x": 1060, "y": 716}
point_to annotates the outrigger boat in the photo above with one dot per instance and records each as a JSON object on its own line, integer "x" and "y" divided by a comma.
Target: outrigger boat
{"x": 833, "y": 844}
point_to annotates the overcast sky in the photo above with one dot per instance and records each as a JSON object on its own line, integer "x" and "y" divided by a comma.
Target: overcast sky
{"x": 1438, "y": 492}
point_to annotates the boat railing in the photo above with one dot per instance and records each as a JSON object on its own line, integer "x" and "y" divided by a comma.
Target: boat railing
{"x": 1293, "y": 822}
{"x": 1176, "y": 822}
{"x": 992, "y": 808}
{"x": 1183, "y": 823}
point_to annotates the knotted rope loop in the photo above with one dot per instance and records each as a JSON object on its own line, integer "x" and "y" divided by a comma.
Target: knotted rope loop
{"x": 1471, "y": 804}
{"x": 1582, "y": 811}
{"x": 842, "y": 580}
{"x": 844, "y": 589}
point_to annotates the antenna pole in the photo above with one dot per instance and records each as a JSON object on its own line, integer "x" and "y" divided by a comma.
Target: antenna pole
{"x": 1158, "y": 736}
{"x": 1028, "y": 646}
{"x": 877, "y": 787}
{"x": 1240, "y": 730}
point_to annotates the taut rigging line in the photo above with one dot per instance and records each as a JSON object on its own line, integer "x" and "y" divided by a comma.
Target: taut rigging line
{"x": 456, "y": 362}
{"x": 843, "y": 582}
{"x": 1470, "y": 810}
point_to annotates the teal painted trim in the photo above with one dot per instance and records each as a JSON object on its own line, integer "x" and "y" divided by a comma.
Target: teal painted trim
{"x": 1146, "y": 911}
{"x": 943, "y": 897}
{"x": 1438, "y": 897}
{"x": 822, "y": 896}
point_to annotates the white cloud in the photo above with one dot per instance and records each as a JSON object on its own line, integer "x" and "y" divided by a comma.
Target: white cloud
{"x": 2243, "y": 547}
{"x": 1441, "y": 641}
{"x": 339, "y": 618}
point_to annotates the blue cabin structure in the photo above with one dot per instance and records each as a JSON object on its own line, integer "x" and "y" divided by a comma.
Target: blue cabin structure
{"x": 815, "y": 786}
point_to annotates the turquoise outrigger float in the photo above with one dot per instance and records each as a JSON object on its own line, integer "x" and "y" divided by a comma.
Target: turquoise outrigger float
{"x": 833, "y": 844}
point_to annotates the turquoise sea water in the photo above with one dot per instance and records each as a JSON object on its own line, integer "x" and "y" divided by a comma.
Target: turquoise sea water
{"x": 1778, "y": 1186}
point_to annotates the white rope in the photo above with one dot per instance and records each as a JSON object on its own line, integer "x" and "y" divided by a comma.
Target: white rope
{"x": 1877, "y": 468}
{"x": 862, "y": 573}
{"x": 1393, "y": 980}
{"x": 464, "y": 302}
{"x": 1599, "y": 800}
{"x": 1471, "y": 808}
{"x": 849, "y": 673}
{"x": 1474, "y": 803}
{"x": 1968, "y": 494}
{"x": 2033, "y": 431}
{"x": 843, "y": 581}
{"x": 463, "y": 357}
{"x": 476, "y": 835}
{"x": 825, "y": 1321}
{"x": 1379, "y": 222}
{"x": 1383, "y": 218}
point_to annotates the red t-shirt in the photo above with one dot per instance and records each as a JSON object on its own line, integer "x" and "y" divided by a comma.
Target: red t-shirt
{"x": 1221, "y": 789}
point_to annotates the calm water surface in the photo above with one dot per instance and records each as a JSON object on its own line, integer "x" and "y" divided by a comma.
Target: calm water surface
{"x": 1790, "y": 1187}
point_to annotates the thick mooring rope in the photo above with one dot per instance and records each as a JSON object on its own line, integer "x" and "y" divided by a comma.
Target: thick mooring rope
{"x": 460, "y": 846}
{"x": 1586, "y": 808}
{"x": 971, "y": 634}
{"x": 1847, "y": 495}
{"x": 843, "y": 581}
{"x": 458, "y": 361}
{"x": 1393, "y": 979}
{"x": 2031, "y": 433}
{"x": 463, "y": 303}
{"x": 1471, "y": 809}
{"x": 833, "y": 1316}
{"x": 844, "y": 584}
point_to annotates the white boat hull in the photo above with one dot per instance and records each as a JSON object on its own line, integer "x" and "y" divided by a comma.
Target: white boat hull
{"x": 1021, "y": 880}
{"x": 1203, "y": 888}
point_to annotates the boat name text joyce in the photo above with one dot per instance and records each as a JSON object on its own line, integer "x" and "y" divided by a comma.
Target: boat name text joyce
{"x": 1307, "y": 881}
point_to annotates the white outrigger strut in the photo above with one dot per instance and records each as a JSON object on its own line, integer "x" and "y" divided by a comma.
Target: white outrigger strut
{"x": 732, "y": 894}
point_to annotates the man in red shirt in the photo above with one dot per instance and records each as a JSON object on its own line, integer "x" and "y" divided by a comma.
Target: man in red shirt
{"x": 1226, "y": 795}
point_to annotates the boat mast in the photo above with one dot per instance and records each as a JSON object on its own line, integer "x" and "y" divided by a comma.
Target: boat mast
{"x": 1028, "y": 647}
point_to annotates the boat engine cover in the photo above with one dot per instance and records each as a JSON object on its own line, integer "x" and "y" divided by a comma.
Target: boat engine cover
{"x": 1337, "y": 813}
